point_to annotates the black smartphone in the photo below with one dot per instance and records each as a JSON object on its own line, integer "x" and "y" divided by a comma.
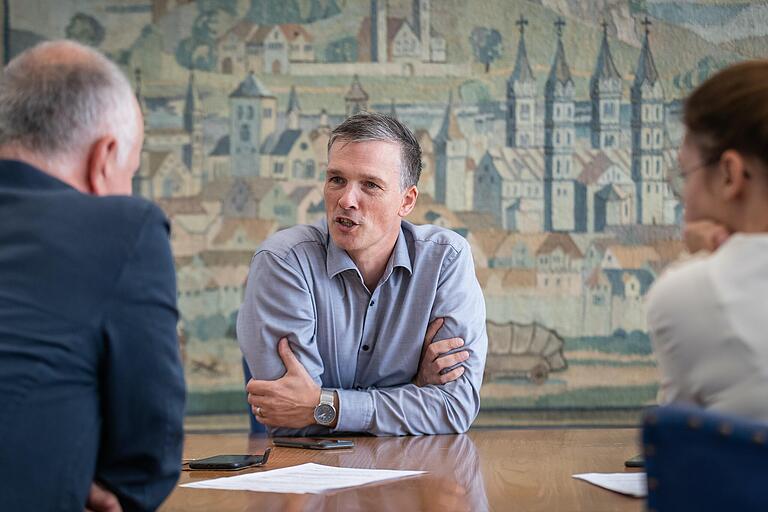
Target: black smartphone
{"x": 635, "y": 462}
{"x": 314, "y": 444}
{"x": 230, "y": 462}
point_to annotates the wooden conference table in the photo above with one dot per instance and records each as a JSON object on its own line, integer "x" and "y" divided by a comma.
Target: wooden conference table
{"x": 504, "y": 470}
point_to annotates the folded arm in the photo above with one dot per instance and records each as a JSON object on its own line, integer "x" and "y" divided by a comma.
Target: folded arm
{"x": 432, "y": 409}
{"x": 404, "y": 409}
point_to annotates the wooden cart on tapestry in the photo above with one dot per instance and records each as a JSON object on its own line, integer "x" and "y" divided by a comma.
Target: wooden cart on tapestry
{"x": 528, "y": 351}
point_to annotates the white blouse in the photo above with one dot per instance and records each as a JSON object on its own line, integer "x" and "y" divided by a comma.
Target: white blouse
{"x": 708, "y": 319}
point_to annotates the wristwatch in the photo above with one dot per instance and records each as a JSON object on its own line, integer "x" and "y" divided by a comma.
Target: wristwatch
{"x": 325, "y": 412}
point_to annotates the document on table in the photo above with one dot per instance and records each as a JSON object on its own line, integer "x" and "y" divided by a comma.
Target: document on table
{"x": 633, "y": 484}
{"x": 305, "y": 478}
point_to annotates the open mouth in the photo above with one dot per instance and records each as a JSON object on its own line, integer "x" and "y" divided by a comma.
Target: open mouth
{"x": 347, "y": 223}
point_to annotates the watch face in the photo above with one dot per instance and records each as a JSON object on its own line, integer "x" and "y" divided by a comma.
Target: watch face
{"x": 325, "y": 414}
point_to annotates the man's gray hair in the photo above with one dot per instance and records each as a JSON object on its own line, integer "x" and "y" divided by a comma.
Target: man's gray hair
{"x": 372, "y": 126}
{"x": 56, "y": 108}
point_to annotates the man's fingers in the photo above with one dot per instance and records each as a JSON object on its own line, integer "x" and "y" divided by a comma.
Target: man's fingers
{"x": 451, "y": 360}
{"x": 102, "y": 500}
{"x": 452, "y": 375}
{"x": 286, "y": 354}
{"x": 258, "y": 387}
{"x": 439, "y": 348}
{"x": 432, "y": 329}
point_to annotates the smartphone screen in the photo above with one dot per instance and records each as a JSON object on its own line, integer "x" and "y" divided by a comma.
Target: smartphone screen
{"x": 230, "y": 462}
{"x": 314, "y": 444}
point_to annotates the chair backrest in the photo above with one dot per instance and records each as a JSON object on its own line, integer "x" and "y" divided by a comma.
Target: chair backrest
{"x": 256, "y": 427}
{"x": 704, "y": 461}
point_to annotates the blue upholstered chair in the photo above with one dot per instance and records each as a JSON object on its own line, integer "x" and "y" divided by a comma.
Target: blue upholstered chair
{"x": 703, "y": 461}
{"x": 256, "y": 427}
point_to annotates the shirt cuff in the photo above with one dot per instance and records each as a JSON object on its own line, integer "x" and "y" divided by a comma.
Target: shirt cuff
{"x": 355, "y": 411}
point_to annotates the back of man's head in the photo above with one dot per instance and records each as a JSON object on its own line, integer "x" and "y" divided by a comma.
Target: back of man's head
{"x": 58, "y": 98}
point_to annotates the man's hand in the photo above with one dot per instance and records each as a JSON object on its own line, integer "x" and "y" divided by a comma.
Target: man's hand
{"x": 101, "y": 500}
{"x": 704, "y": 235}
{"x": 434, "y": 358}
{"x": 288, "y": 401}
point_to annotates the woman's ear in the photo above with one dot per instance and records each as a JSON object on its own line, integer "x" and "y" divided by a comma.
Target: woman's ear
{"x": 733, "y": 174}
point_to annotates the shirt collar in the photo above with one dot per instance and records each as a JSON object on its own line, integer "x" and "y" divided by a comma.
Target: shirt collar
{"x": 338, "y": 260}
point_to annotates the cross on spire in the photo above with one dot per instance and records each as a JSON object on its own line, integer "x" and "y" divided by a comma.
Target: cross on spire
{"x": 647, "y": 23}
{"x": 522, "y": 22}
{"x": 559, "y": 24}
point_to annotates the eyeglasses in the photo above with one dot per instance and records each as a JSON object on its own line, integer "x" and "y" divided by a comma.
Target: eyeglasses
{"x": 678, "y": 177}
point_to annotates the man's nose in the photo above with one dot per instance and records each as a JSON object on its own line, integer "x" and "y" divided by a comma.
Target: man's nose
{"x": 348, "y": 199}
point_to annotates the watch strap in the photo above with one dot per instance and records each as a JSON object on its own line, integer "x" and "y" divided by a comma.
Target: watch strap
{"x": 326, "y": 396}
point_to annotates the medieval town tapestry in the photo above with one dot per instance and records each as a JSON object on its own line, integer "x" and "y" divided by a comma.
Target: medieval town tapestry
{"x": 549, "y": 130}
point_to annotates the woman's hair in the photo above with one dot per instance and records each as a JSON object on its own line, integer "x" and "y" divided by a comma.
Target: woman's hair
{"x": 730, "y": 111}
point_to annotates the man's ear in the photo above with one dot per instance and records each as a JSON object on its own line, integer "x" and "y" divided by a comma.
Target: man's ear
{"x": 733, "y": 174}
{"x": 409, "y": 201}
{"x": 102, "y": 165}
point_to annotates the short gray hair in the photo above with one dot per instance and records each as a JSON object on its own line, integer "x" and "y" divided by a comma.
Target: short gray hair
{"x": 372, "y": 126}
{"x": 57, "y": 107}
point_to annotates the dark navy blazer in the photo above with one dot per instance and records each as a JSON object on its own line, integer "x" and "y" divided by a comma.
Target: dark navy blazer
{"x": 91, "y": 383}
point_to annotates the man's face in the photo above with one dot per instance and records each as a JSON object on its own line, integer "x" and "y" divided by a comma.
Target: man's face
{"x": 363, "y": 200}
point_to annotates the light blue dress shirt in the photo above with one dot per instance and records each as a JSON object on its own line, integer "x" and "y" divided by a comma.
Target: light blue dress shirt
{"x": 366, "y": 344}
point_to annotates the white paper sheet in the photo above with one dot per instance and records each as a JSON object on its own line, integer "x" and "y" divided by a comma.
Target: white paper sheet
{"x": 633, "y": 484}
{"x": 302, "y": 479}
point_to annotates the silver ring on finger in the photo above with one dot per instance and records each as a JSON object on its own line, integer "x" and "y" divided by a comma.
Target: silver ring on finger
{"x": 258, "y": 411}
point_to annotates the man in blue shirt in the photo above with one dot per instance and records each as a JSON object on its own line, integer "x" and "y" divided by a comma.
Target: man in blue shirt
{"x": 339, "y": 317}
{"x": 91, "y": 384}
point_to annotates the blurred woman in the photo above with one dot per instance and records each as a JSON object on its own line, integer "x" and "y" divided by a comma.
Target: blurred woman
{"x": 708, "y": 317}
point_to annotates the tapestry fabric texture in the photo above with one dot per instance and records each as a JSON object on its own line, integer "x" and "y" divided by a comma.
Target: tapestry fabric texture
{"x": 549, "y": 130}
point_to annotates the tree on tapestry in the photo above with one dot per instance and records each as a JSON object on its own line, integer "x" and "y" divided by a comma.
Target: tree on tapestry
{"x": 198, "y": 51}
{"x": 269, "y": 12}
{"x": 486, "y": 45}
{"x": 342, "y": 50}
{"x": 85, "y": 29}
{"x": 228, "y": 6}
{"x": 320, "y": 11}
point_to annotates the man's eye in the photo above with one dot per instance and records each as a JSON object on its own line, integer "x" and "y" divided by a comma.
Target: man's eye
{"x": 371, "y": 185}
{"x": 336, "y": 180}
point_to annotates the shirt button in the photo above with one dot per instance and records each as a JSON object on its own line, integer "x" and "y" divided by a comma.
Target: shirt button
{"x": 366, "y": 348}
{"x": 372, "y": 303}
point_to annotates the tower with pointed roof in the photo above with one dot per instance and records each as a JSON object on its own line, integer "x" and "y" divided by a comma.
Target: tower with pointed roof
{"x": 192, "y": 152}
{"x": 422, "y": 23}
{"x": 252, "y": 117}
{"x": 605, "y": 93}
{"x": 356, "y": 99}
{"x": 451, "y": 149}
{"x": 293, "y": 114}
{"x": 521, "y": 98}
{"x": 563, "y": 197}
{"x": 647, "y": 98}
{"x": 378, "y": 30}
